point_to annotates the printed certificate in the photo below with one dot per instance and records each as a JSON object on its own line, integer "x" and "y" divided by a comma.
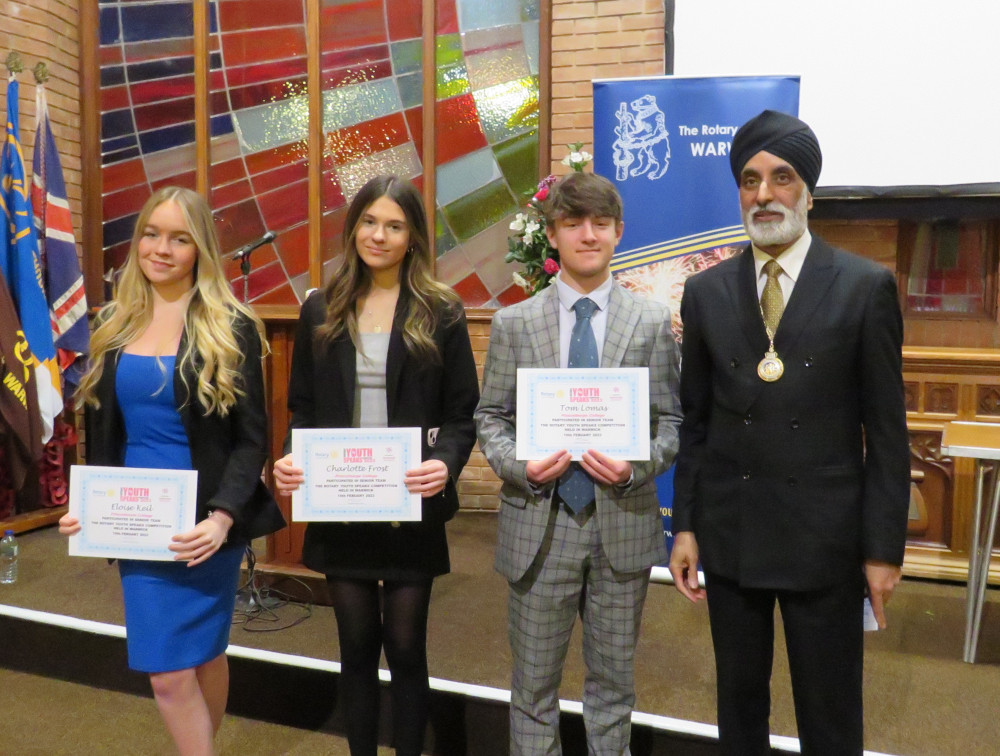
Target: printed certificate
{"x": 355, "y": 474}
{"x": 130, "y": 512}
{"x": 606, "y": 409}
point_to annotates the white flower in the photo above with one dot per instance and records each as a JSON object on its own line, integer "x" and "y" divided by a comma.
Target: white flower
{"x": 518, "y": 223}
{"x": 527, "y": 239}
{"x": 520, "y": 280}
{"x": 577, "y": 158}
{"x": 531, "y": 227}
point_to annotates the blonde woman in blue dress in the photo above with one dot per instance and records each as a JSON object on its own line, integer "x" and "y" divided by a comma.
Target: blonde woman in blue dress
{"x": 175, "y": 381}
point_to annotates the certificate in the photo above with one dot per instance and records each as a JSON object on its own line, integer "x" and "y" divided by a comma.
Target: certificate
{"x": 130, "y": 512}
{"x": 577, "y": 409}
{"x": 355, "y": 474}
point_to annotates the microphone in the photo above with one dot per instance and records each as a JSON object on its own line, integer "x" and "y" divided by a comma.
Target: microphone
{"x": 242, "y": 253}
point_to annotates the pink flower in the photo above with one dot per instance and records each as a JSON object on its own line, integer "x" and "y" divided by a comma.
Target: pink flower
{"x": 541, "y": 194}
{"x": 548, "y": 181}
{"x": 551, "y": 266}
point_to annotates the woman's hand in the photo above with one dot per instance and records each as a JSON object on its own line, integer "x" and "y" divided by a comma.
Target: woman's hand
{"x": 203, "y": 540}
{"x": 428, "y": 479}
{"x": 69, "y": 525}
{"x": 287, "y": 477}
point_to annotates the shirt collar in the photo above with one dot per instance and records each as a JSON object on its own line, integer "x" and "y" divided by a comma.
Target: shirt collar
{"x": 568, "y": 296}
{"x": 791, "y": 260}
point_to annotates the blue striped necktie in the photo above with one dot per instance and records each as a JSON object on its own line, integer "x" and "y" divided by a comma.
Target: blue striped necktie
{"x": 576, "y": 488}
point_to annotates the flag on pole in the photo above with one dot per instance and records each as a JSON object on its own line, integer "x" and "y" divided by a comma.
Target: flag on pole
{"x": 57, "y": 249}
{"x": 18, "y": 399}
{"x": 22, "y": 268}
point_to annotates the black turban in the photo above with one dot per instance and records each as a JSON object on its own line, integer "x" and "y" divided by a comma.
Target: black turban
{"x": 782, "y": 135}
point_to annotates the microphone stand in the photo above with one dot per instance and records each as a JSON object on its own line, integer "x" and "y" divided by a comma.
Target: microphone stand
{"x": 243, "y": 255}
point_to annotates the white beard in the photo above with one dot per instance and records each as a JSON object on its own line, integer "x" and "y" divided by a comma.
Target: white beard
{"x": 792, "y": 225}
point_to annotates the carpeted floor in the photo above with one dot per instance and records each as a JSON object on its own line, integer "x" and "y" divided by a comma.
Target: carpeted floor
{"x": 921, "y": 699}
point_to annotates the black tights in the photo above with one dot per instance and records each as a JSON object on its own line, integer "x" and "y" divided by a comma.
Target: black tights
{"x": 399, "y": 625}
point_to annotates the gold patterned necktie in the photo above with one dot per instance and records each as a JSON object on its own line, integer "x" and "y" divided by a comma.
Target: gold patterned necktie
{"x": 772, "y": 301}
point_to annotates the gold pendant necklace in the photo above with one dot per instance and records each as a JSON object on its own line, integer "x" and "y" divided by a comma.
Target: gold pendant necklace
{"x": 770, "y": 368}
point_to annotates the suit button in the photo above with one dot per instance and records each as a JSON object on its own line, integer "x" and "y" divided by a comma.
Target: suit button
{"x": 793, "y": 482}
{"x": 808, "y": 362}
{"x": 746, "y": 476}
{"x": 747, "y": 420}
{"x": 734, "y": 363}
{"x": 795, "y": 424}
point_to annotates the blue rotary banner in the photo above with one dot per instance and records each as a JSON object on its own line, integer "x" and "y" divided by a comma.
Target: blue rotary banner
{"x": 664, "y": 142}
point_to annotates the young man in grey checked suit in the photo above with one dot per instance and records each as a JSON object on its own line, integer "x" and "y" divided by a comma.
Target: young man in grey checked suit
{"x": 581, "y": 538}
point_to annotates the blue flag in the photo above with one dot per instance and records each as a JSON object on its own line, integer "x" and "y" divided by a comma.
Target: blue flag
{"x": 22, "y": 268}
{"x": 57, "y": 249}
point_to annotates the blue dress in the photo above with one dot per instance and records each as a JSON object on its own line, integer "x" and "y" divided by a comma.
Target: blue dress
{"x": 176, "y": 617}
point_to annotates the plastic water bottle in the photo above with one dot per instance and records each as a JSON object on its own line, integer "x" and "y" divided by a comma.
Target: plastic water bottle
{"x": 8, "y": 558}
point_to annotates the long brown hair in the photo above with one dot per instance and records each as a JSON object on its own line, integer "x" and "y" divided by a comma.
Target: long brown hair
{"x": 208, "y": 322}
{"x": 352, "y": 280}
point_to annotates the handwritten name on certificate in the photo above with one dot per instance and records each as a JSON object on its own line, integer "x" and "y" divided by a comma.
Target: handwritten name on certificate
{"x": 583, "y": 408}
{"x": 355, "y": 474}
{"x": 130, "y": 512}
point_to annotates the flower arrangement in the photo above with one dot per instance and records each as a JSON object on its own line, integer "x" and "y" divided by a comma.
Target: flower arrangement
{"x": 529, "y": 245}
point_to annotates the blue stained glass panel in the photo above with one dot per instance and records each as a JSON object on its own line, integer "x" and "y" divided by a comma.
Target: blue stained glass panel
{"x": 119, "y": 230}
{"x": 222, "y": 124}
{"x": 116, "y": 157}
{"x": 112, "y": 76}
{"x": 118, "y": 143}
{"x": 164, "y": 139}
{"x": 159, "y": 21}
{"x": 110, "y": 31}
{"x": 116, "y": 123}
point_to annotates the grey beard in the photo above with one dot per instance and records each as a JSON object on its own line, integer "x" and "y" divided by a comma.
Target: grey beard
{"x": 794, "y": 224}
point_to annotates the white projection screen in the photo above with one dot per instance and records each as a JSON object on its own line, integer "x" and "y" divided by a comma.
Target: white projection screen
{"x": 904, "y": 95}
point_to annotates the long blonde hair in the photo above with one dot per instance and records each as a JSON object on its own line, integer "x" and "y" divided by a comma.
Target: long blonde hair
{"x": 209, "y": 321}
{"x": 353, "y": 279}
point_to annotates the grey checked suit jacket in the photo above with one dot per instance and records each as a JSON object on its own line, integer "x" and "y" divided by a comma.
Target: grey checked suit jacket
{"x": 526, "y": 335}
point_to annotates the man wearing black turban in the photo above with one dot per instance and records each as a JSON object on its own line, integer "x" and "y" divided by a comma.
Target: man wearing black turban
{"x": 792, "y": 480}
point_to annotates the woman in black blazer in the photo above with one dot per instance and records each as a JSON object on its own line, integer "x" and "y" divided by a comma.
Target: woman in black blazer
{"x": 175, "y": 381}
{"x": 385, "y": 345}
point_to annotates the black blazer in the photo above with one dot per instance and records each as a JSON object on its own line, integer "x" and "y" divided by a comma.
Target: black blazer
{"x": 228, "y": 452}
{"x": 793, "y": 484}
{"x": 437, "y": 398}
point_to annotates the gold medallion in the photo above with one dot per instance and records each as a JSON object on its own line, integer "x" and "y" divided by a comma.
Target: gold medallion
{"x": 771, "y": 368}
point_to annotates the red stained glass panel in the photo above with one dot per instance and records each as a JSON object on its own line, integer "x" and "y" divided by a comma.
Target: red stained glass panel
{"x": 279, "y": 177}
{"x": 355, "y": 142}
{"x": 353, "y": 25}
{"x": 162, "y": 114}
{"x": 248, "y": 14}
{"x": 146, "y": 92}
{"x": 124, "y": 174}
{"x": 285, "y": 207}
{"x": 458, "y": 129}
{"x": 242, "y": 48}
{"x": 114, "y": 98}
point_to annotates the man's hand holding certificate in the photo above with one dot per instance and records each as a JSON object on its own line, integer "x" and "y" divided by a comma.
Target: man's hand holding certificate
{"x": 580, "y": 409}
{"x": 130, "y": 512}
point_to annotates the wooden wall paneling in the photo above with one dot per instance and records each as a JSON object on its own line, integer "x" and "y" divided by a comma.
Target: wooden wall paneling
{"x": 202, "y": 132}
{"x": 92, "y": 233}
{"x": 314, "y": 74}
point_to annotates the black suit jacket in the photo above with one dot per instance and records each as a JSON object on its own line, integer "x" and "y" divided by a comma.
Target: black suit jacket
{"x": 228, "y": 452}
{"x": 793, "y": 484}
{"x": 437, "y": 398}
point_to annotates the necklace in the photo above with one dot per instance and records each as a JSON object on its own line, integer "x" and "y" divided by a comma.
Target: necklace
{"x": 770, "y": 368}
